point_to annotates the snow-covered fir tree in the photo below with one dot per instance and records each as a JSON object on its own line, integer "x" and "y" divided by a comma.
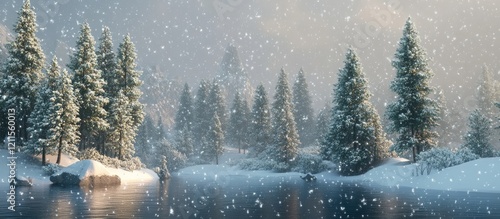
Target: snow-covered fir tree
{"x": 355, "y": 141}
{"x": 202, "y": 119}
{"x": 303, "y": 110}
{"x": 128, "y": 79}
{"x": 238, "y": 123}
{"x": 232, "y": 76}
{"x": 413, "y": 115}
{"x": 40, "y": 121}
{"x": 121, "y": 134}
{"x": 285, "y": 136}
{"x": 65, "y": 134}
{"x": 185, "y": 141}
{"x": 124, "y": 120}
{"x": 215, "y": 140}
{"x": 184, "y": 116}
{"x": 89, "y": 91}
{"x": 260, "y": 129}
{"x": 217, "y": 104}
{"x": 22, "y": 72}
{"x": 477, "y": 139}
{"x": 106, "y": 63}
{"x": 486, "y": 95}
{"x": 54, "y": 122}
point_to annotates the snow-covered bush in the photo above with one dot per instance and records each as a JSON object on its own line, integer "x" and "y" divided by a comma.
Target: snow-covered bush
{"x": 437, "y": 158}
{"x": 89, "y": 154}
{"x": 465, "y": 155}
{"x": 281, "y": 167}
{"x": 440, "y": 158}
{"x": 92, "y": 154}
{"x": 309, "y": 163}
{"x": 51, "y": 168}
{"x": 256, "y": 164}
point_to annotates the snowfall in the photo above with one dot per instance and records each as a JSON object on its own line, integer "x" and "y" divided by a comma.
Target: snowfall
{"x": 480, "y": 175}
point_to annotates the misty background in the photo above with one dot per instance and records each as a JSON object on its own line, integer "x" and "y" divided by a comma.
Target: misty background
{"x": 184, "y": 41}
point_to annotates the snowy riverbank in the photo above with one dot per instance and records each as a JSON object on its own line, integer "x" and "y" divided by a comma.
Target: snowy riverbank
{"x": 479, "y": 175}
{"x": 27, "y": 166}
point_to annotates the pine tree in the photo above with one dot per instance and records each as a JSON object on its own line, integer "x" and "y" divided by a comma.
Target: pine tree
{"x": 53, "y": 123}
{"x": 40, "y": 123}
{"x": 286, "y": 139}
{"x": 260, "y": 128}
{"x": 413, "y": 115}
{"x": 486, "y": 94}
{"x": 238, "y": 123}
{"x": 355, "y": 141}
{"x": 184, "y": 116}
{"x": 65, "y": 134}
{"x": 477, "y": 138}
{"x": 126, "y": 112}
{"x": 217, "y": 104}
{"x": 128, "y": 80}
{"x": 106, "y": 63}
{"x": 184, "y": 141}
{"x": 22, "y": 72}
{"x": 121, "y": 132}
{"x": 202, "y": 119}
{"x": 303, "y": 109}
{"x": 232, "y": 77}
{"x": 215, "y": 140}
{"x": 88, "y": 85}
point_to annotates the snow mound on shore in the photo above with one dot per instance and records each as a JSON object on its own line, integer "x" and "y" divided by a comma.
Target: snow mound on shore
{"x": 86, "y": 168}
{"x": 85, "y": 173}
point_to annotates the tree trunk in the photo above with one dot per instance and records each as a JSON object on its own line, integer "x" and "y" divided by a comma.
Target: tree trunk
{"x": 43, "y": 155}
{"x": 239, "y": 147}
{"x": 414, "y": 154}
{"x": 59, "y": 156}
{"x": 59, "y": 152}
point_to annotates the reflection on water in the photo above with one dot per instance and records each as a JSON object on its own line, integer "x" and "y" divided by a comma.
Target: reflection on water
{"x": 246, "y": 197}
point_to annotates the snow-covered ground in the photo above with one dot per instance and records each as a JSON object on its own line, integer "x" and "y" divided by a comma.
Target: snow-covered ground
{"x": 480, "y": 175}
{"x": 27, "y": 166}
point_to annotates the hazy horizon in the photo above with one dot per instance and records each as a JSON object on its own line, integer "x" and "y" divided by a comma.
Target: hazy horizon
{"x": 189, "y": 38}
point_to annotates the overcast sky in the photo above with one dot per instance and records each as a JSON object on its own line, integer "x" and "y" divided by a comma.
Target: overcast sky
{"x": 187, "y": 38}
